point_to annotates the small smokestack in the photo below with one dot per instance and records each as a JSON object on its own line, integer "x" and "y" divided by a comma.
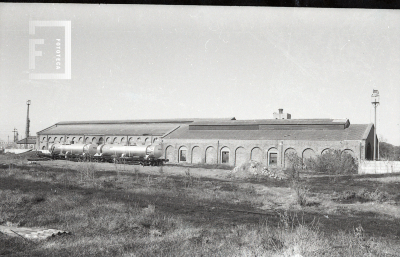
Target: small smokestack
{"x": 280, "y": 111}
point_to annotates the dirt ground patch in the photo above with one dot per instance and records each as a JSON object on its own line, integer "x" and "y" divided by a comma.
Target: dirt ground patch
{"x": 196, "y": 205}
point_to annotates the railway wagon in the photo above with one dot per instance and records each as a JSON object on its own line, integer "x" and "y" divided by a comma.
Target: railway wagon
{"x": 144, "y": 155}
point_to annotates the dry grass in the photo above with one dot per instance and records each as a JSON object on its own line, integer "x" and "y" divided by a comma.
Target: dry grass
{"x": 177, "y": 213}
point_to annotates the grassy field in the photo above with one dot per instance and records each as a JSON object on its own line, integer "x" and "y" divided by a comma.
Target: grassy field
{"x": 123, "y": 210}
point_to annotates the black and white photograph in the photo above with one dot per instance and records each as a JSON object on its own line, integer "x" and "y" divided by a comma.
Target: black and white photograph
{"x": 200, "y": 130}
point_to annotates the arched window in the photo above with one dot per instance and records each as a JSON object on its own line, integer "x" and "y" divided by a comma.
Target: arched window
{"x": 169, "y": 154}
{"x": 225, "y": 154}
{"x": 211, "y": 155}
{"x": 101, "y": 141}
{"x": 256, "y": 154}
{"x": 349, "y": 152}
{"x": 325, "y": 151}
{"x": 196, "y": 154}
{"x": 182, "y": 154}
{"x": 114, "y": 140}
{"x": 288, "y": 155}
{"x": 308, "y": 156}
{"x": 240, "y": 156}
{"x": 273, "y": 156}
{"x": 94, "y": 140}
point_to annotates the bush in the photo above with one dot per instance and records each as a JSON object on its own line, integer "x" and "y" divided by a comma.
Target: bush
{"x": 295, "y": 164}
{"x": 334, "y": 162}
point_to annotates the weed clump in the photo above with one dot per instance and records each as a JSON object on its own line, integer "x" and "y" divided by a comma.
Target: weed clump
{"x": 363, "y": 195}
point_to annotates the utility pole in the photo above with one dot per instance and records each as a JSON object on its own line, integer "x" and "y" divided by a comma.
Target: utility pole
{"x": 15, "y": 131}
{"x": 27, "y": 125}
{"x": 375, "y": 103}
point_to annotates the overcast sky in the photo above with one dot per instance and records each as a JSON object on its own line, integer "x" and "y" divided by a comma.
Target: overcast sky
{"x": 156, "y": 62}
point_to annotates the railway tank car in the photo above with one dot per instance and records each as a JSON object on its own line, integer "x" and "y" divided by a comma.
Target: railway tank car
{"x": 143, "y": 154}
{"x": 83, "y": 151}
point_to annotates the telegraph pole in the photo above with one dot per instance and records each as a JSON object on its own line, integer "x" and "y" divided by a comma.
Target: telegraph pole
{"x": 375, "y": 103}
{"x": 15, "y": 131}
{"x": 27, "y": 125}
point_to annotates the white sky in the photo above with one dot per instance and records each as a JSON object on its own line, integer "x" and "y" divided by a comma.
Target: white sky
{"x": 156, "y": 62}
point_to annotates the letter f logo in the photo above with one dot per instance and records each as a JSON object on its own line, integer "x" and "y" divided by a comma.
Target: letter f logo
{"x": 32, "y": 52}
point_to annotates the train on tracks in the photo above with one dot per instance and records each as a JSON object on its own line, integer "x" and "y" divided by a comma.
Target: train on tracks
{"x": 136, "y": 154}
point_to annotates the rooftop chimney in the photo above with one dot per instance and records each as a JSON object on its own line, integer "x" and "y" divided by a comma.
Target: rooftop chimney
{"x": 282, "y": 115}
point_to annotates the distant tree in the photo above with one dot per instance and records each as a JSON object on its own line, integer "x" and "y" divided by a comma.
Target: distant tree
{"x": 387, "y": 151}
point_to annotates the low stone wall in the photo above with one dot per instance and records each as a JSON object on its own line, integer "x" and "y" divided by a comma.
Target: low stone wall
{"x": 378, "y": 167}
{"x": 17, "y": 151}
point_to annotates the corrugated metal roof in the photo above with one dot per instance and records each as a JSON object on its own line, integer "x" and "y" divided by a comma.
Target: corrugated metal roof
{"x": 273, "y": 122}
{"x": 353, "y": 132}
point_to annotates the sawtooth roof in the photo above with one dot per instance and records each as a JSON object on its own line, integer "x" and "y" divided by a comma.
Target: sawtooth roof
{"x": 119, "y": 127}
{"x": 158, "y": 129}
{"x": 353, "y": 132}
{"x": 31, "y": 140}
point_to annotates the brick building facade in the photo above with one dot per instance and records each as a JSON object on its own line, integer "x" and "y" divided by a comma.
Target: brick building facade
{"x": 222, "y": 141}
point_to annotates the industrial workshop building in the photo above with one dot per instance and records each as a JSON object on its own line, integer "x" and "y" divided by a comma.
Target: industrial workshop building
{"x": 223, "y": 141}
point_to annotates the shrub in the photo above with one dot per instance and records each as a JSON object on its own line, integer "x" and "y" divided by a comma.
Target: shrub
{"x": 334, "y": 162}
{"x": 295, "y": 164}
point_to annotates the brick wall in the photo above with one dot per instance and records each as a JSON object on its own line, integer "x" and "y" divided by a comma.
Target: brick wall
{"x": 211, "y": 151}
